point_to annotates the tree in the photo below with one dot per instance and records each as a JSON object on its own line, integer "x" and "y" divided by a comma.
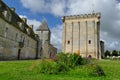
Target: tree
{"x": 119, "y": 53}
{"x": 107, "y": 53}
{"x": 114, "y": 53}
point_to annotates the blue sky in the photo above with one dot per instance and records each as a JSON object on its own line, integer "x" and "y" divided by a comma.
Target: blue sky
{"x": 53, "y": 10}
{"x": 20, "y": 10}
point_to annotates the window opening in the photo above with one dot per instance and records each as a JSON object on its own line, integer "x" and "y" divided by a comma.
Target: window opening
{"x": 89, "y": 41}
{"x": 68, "y": 42}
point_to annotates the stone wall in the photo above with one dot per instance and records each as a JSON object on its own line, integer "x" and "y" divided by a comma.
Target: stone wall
{"x": 17, "y": 39}
{"x": 9, "y": 43}
{"x": 102, "y": 49}
{"x": 81, "y": 35}
{"x": 47, "y": 50}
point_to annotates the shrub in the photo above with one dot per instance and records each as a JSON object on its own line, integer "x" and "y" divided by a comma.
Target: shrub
{"x": 61, "y": 58}
{"x": 96, "y": 70}
{"x": 51, "y": 67}
{"x": 62, "y": 68}
{"x": 74, "y": 60}
{"x": 70, "y": 60}
{"x": 85, "y": 61}
{"x": 48, "y": 67}
{"x": 62, "y": 63}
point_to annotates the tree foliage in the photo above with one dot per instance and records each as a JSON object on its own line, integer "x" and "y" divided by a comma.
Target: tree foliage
{"x": 114, "y": 53}
{"x": 107, "y": 53}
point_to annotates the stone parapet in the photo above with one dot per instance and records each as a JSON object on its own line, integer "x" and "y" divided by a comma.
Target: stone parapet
{"x": 82, "y": 16}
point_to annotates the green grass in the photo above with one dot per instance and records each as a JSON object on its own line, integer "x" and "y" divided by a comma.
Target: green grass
{"x": 25, "y": 70}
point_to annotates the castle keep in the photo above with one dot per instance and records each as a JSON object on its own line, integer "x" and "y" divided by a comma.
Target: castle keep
{"x": 18, "y": 40}
{"x": 81, "y": 35}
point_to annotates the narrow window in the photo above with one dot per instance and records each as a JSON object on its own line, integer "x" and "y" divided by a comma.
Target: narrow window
{"x": 89, "y": 41}
{"x": 68, "y": 42}
{"x": 6, "y": 30}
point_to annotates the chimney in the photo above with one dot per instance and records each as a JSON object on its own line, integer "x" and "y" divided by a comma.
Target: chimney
{"x": 12, "y": 9}
{"x": 24, "y": 20}
{"x": 31, "y": 26}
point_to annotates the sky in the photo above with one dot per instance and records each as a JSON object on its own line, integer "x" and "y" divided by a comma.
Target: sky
{"x": 52, "y": 10}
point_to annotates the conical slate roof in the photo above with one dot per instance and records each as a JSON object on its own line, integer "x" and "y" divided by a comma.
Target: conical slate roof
{"x": 43, "y": 26}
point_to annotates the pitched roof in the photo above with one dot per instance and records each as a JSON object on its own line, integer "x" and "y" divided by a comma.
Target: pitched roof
{"x": 43, "y": 26}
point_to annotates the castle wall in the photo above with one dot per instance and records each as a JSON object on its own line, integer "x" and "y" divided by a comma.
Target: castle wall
{"x": 81, "y": 35}
{"x": 52, "y": 51}
{"x": 68, "y": 44}
{"x": 10, "y": 37}
{"x": 83, "y": 39}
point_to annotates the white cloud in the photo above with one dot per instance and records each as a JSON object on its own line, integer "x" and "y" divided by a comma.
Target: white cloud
{"x": 110, "y": 18}
{"x": 55, "y": 7}
{"x": 56, "y": 36}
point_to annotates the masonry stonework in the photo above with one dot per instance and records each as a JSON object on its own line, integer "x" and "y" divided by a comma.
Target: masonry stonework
{"x": 81, "y": 34}
{"x": 17, "y": 39}
{"x": 47, "y": 49}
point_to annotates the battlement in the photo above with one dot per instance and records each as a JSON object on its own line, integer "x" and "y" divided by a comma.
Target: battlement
{"x": 82, "y": 16}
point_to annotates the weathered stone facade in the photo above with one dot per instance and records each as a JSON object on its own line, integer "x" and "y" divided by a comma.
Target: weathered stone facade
{"x": 47, "y": 49}
{"x": 17, "y": 39}
{"x": 81, "y": 34}
{"x": 102, "y": 49}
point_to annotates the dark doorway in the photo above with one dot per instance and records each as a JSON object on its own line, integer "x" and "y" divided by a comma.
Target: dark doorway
{"x": 50, "y": 55}
{"x": 19, "y": 51}
{"x": 90, "y": 56}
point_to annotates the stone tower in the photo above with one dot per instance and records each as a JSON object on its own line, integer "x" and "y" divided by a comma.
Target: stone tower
{"x": 81, "y": 35}
{"x": 47, "y": 50}
{"x": 44, "y": 34}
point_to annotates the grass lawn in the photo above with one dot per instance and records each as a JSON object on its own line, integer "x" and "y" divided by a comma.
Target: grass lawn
{"x": 25, "y": 70}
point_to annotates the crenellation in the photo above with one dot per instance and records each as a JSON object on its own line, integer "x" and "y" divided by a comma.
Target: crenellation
{"x": 82, "y": 16}
{"x": 98, "y": 15}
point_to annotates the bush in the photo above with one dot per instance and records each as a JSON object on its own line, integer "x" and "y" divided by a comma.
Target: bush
{"x": 61, "y": 58}
{"x": 62, "y": 63}
{"x": 70, "y": 60}
{"x": 62, "y": 68}
{"x": 96, "y": 70}
{"x": 51, "y": 67}
{"x": 85, "y": 61}
{"x": 48, "y": 67}
{"x": 74, "y": 60}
